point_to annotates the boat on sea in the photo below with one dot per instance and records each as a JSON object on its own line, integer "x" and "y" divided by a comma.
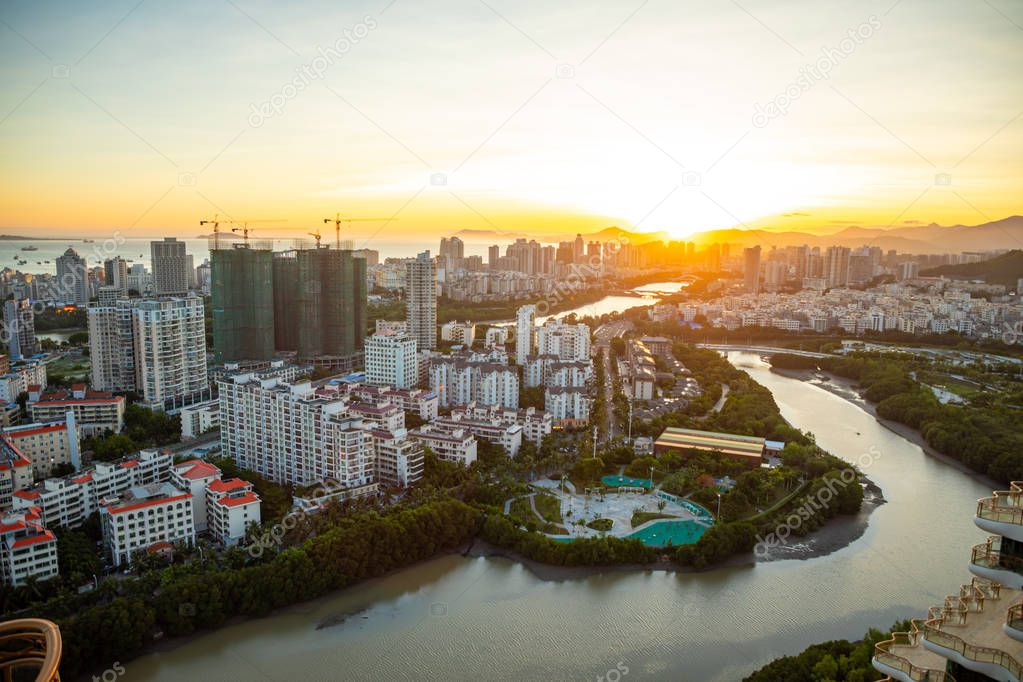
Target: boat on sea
{"x": 30, "y": 248}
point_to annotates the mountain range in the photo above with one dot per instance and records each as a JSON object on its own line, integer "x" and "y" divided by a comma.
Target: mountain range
{"x": 920, "y": 239}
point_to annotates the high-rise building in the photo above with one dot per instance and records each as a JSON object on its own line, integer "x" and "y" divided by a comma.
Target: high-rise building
{"x": 331, "y": 303}
{"x": 493, "y": 255}
{"x": 112, "y": 345}
{"x": 20, "y": 327}
{"x": 525, "y": 320}
{"x": 421, "y": 300}
{"x": 392, "y": 360}
{"x": 115, "y": 271}
{"x": 567, "y": 342}
{"x": 170, "y": 350}
{"x": 170, "y": 266}
{"x": 243, "y": 302}
{"x": 836, "y": 266}
{"x": 578, "y": 252}
{"x": 72, "y": 280}
{"x": 752, "y": 269}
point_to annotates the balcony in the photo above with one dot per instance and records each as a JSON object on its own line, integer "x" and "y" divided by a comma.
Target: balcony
{"x": 27, "y": 645}
{"x": 1002, "y": 513}
{"x": 987, "y": 561}
{"x": 902, "y": 658}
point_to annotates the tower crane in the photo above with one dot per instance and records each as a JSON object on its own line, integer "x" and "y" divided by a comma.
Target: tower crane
{"x": 244, "y": 229}
{"x": 337, "y": 220}
{"x": 315, "y": 235}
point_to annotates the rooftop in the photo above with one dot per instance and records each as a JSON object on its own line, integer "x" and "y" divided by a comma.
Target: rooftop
{"x": 726, "y": 443}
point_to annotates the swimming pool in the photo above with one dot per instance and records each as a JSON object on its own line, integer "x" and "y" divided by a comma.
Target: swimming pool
{"x": 665, "y": 532}
{"x": 626, "y": 482}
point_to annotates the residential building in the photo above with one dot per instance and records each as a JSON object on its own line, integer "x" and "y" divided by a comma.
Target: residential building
{"x": 95, "y": 412}
{"x": 525, "y": 322}
{"x": 751, "y": 271}
{"x": 421, "y": 300}
{"x": 68, "y": 501}
{"x": 450, "y": 445}
{"x": 20, "y": 328}
{"x": 22, "y": 375}
{"x": 463, "y": 333}
{"x": 194, "y": 476}
{"x": 243, "y": 301}
{"x": 566, "y": 341}
{"x": 568, "y": 407}
{"x": 232, "y": 506}
{"x": 170, "y": 267}
{"x": 48, "y": 445}
{"x": 459, "y": 379}
{"x": 399, "y": 458}
{"x": 536, "y": 424}
{"x": 392, "y": 360}
{"x": 112, "y": 345}
{"x": 15, "y": 472}
{"x": 199, "y": 418}
{"x": 27, "y": 549}
{"x": 146, "y": 518}
{"x": 508, "y": 436}
{"x": 72, "y": 278}
{"x": 170, "y": 350}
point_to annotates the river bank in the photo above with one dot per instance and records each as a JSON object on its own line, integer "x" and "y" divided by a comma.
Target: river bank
{"x": 848, "y": 390}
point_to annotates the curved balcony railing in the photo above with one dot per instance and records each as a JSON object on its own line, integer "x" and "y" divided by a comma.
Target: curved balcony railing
{"x": 989, "y": 555}
{"x": 1014, "y": 617}
{"x": 883, "y": 653}
{"x": 1004, "y": 506}
{"x": 30, "y": 644}
{"x": 981, "y": 654}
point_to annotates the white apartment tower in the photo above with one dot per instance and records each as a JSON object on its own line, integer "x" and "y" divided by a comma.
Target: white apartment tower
{"x": 170, "y": 349}
{"x": 112, "y": 346}
{"x": 392, "y": 360}
{"x": 72, "y": 279}
{"x": 421, "y": 300}
{"x": 525, "y": 319}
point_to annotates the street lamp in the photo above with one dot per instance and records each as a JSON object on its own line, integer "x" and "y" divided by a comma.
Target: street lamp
{"x": 719, "y": 505}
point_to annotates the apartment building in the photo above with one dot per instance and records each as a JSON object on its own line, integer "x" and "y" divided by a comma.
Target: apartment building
{"x": 112, "y": 345}
{"x": 525, "y": 323}
{"x": 464, "y": 378}
{"x": 536, "y": 424}
{"x": 170, "y": 266}
{"x": 199, "y": 418}
{"x": 20, "y": 377}
{"x": 15, "y": 472}
{"x": 392, "y": 359}
{"x": 27, "y": 548}
{"x": 450, "y": 445}
{"x": 463, "y": 333}
{"x": 232, "y": 506}
{"x": 508, "y": 436}
{"x": 399, "y": 458}
{"x": 382, "y": 415}
{"x": 569, "y": 407}
{"x": 170, "y": 349}
{"x": 68, "y": 501}
{"x": 419, "y": 401}
{"x": 421, "y": 300}
{"x": 95, "y": 412}
{"x": 146, "y": 518}
{"x": 48, "y": 445}
{"x": 566, "y": 341}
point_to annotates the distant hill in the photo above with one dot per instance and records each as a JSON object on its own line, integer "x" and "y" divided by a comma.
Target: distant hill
{"x": 1006, "y": 269}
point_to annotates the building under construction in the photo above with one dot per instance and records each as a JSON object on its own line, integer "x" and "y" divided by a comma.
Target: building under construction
{"x": 308, "y": 300}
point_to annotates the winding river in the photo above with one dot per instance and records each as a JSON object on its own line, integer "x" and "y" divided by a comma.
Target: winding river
{"x": 456, "y": 618}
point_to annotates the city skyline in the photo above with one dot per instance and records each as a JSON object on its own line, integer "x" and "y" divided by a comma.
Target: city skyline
{"x": 512, "y": 118}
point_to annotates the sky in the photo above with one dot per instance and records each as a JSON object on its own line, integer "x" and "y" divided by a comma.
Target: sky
{"x": 508, "y": 116}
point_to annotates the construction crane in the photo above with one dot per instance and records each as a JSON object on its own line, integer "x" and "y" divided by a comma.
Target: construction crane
{"x": 316, "y": 236}
{"x": 337, "y": 220}
{"x": 216, "y": 228}
{"x": 244, "y": 229}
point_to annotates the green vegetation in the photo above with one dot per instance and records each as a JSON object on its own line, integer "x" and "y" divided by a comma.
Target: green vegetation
{"x": 143, "y": 428}
{"x": 983, "y": 434}
{"x": 58, "y": 319}
{"x": 549, "y": 507}
{"x": 1005, "y": 270}
{"x": 117, "y": 621}
{"x": 641, "y": 517}
{"x": 835, "y": 661}
{"x": 603, "y": 525}
{"x": 275, "y": 499}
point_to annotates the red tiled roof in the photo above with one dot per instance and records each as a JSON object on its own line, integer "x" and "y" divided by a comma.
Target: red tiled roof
{"x": 228, "y": 485}
{"x": 27, "y": 494}
{"x": 147, "y": 503}
{"x": 36, "y": 431}
{"x": 129, "y": 464}
{"x": 197, "y": 469}
{"x": 45, "y": 536}
{"x": 236, "y": 501}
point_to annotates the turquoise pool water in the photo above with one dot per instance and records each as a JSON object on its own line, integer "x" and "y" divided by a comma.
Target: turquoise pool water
{"x": 664, "y": 532}
{"x": 625, "y": 481}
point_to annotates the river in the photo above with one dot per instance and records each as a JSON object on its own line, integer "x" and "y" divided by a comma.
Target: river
{"x": 455, "y": 618}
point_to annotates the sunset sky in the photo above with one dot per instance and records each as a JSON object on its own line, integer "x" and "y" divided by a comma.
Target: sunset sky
{"x": 511, "y": 116}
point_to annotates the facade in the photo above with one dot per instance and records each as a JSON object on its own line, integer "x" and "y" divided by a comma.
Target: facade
{"x": 421, "y": 300}
{"x": 465, "y": 378}
{"x": 112, "y": 345}
{"x": 399, "y": 459}
{"x": 70, "y": 500}
{"x": 525, "y": 321}
{"x": 15, "y": 472}
{"x": 95, "y": 412}
{"x": 21, "y": 377}
{"x": 424, "y": 403}
{"x": 508, "y": 436}
{"x": 392, "y": 360}
{"x": 170, "y": 267}
{"x": 170, "y": 349}
{"x": 976, "y": 633}
{"x": 463, "y": 333}
{"x": 243, "y": 302}
{"x": 193, "y": 477}
{"x": 231, "y": 506}
{"x": 535, "y": 424}
{"x": 330, "y": 302}
{"x": 751, "y": 269}
{"x": 199, "y": 418}
{"x": 20, "y": 327}
{"x": 47, "y": 445}
{"x": 450, "y": 445}
{"x": 145, "y": 518}
{"x": 72, "y": 278}
{"x": 569, "y": 407}
{"x": 749, "y": 450}
{"x": 566, "y": 341}
{"x": 27, "y": 549}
